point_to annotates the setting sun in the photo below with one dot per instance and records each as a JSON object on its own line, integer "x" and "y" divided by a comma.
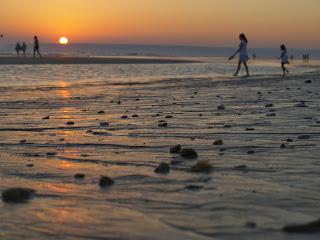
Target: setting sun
{"x": 63, "y": 40}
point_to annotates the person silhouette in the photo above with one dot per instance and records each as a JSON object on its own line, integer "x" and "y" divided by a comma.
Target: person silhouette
{"x": 284, "y": 59}
{"x": 243, "y": 54}
{"x": 18, "y": 48}
{"x": 24, "y": 48}
{"x": 36, "y": 48}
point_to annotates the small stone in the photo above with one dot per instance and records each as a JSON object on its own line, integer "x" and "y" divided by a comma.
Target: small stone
{"x": 250, "y": 129}
{"x": 218, "y": 142}
{"x": 124, "y": 117}
{"x": 313, "y": 227}
{"x": 308, "y": 81}
{"x": 271, "y": 115}
{"x": 176, "y": 161}
{"x": 193, "y": 187}
{"x": 301, "y": 104}
{"x": 201, "y": 167}
{"x": 61, "y": 139}
{"x": 101, "y": 112}
{"x": 221, "y": 107}
{"x": 188, "y": 153}
{"x": 119, "y": 102}
{"x": 79, "y": 176}
{"x": 250, "y": 152}
{"x": 251, "y": 225}
{"x": 17, "y": 195}
{"x": 163, "y": 124}
{"x": 135, "y": 115}
{"x": 46, "y": 118}
{"x": 163, "y": 168}
{"x": 104, "y": 124}
{"x": 289, "y": 140}
{"x": 176, "y": 149}
{"x": 70, "y": 123}
{"x": 304, "y": 137}
{"x": 23, "y": 141}
{"x": 241, "y": 167}
{"x": 29, "y": 165}
{"x": 169, "y": 116}
{"x": 51, "y": 153}
{"x": 105, "y": 181}
{"x": 283, "y": 145}
{"x": 227, "y": 126}
{"x": 269, "y": 105}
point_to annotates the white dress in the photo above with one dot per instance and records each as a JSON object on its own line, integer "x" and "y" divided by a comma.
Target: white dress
{"x": 244, "y": 57}
{"x": 284, "y": 57}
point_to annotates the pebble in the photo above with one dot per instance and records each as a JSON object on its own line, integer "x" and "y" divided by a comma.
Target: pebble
{"x": 135, "y": 115}
{"x": 176, "y": 149}
{"x": 283, "y": 145}
{"x": 312, "y": 227}
{"x": 241, "y": 167}
{"x": 201, "y": 166}
{"x": 105, "y": 181}
{"x": 251, "y": 152}
{"x": 308, "y": 81}
{"x": 79, "y": 176}
{"x": 289, "y": 140}
{"x": 163, "y": 168}
{"x": 124, "y": 117}
{"x": 193, "y": 187}
{"x": 221, "y": 107}
{"x": 51, "y": 153}
{"x": 29, "y": 165}
{"x": 17, "y": 195}
{"x": 250, "y": 129}
{"x": 188, "y": 153}
{"x": 104, "y": 124}
{"x": 269, "y": 105}
{"x": 301, "y": 104}
{"x": 70, "y": 123}
{"x": 163, "y": 124}
{"x": 46, "y": 118}
{"x": 218, "y": 142}
{"x": 101, "y": 112}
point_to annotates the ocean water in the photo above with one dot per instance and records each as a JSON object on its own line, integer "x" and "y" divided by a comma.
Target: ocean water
{"x": 157, "y": 50}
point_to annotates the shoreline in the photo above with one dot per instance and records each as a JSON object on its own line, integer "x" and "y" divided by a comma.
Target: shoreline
{"x": 22, "y": 60}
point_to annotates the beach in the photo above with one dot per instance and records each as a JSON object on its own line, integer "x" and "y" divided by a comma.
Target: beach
{"x": 77, "y": 119}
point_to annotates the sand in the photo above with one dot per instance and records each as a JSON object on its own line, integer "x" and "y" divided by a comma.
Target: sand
{"x": 246, "y": 196}
{"x": 10, "y": 60}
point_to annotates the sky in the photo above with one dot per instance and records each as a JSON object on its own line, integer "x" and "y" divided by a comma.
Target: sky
{"x": 267, "y": 23}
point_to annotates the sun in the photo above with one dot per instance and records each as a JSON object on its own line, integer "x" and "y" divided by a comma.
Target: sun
{"x": 63, "y": 40}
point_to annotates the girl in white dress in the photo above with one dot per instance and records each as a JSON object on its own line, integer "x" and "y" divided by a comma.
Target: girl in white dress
{"x": 284, "y": 59}
{"x": 243, "y": 54}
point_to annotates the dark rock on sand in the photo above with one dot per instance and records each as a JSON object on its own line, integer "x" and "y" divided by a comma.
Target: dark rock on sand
{"x": 51, "y": 153}
{"x": 163, "y": 124}
{"x": 17, "y": 195}
{"x": 313, "y": 227}
{"x": 269, "y": 105}
{"x": 283, "y": 145}
{"x": 221, "y": 107}
{"x": 135, "y": 115}
{"x": 289, "y": 140}
{"x": 105, "y": 181}
{"x": 104, "y": 124}
{"x": 176, "y": 161}
{"x": 241, "y": 167}
{"x": 193, "y": 187}
{"x": 271, "y": 115}
{"x": 304, "y": 137}
{"x": 169, "y": 116}
{"x": 301, "y": 104}
{"x": 46, "y": 118}
{"x": 79, "y": 176}
{"x": 70, "y": 123}
{"x": 202, "y": 167}
{"x": 23, "y": 141}
{"x": 250, "y": 129}
{"x": 101, "y": 112}
{"x": 308, "y": 81}
{"x": 29, "y": 165}
{"x": 163, "y": 168}
{"x": 251, "y": 152}
{"x": 188, "y": 153}
{"x": 218, "y": 142}
{"x": 124, "y": 117}
{"x": 251, "y": 225}
{"x": 176, "y": 149}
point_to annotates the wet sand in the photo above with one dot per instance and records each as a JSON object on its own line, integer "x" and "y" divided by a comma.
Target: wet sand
{"x": 264, "y": 176}
{"x": 9, "y": 60}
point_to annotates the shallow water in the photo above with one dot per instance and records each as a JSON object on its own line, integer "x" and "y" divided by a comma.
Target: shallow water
{"x": 278, "y": 187}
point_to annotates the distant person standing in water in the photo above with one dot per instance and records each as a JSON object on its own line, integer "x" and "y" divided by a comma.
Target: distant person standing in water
{"x": 243, "y": 54}
{"x": 36, "y": 48}
{"x": 284, "y": 59}
{"x": 24, "y": 48}
{"x": 18, "y": 48}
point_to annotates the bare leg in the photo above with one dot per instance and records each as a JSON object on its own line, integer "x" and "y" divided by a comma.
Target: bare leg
{"x": 238, "y": 69}
{"x": 247, "y": 69}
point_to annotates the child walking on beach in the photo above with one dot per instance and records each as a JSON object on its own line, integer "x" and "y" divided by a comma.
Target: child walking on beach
{"x": 284, "y": 59}
{"x": 243, "y": 54}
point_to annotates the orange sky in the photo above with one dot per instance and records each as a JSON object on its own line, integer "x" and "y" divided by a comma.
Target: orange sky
{"x": 186, "y": 22}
